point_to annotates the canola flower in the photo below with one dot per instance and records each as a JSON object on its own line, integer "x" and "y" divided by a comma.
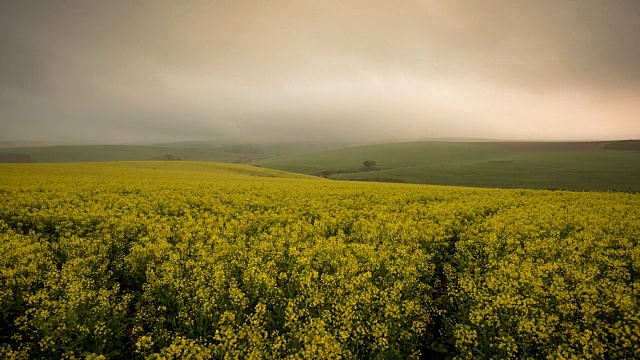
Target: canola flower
{"x": 197, "y": 261}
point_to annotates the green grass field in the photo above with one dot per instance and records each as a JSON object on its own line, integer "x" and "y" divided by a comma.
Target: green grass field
{"x": 571, "y": 166}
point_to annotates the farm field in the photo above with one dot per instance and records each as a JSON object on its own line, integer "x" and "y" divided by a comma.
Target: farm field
{"x": 599, "y": 166}
{"x": 166, "y": 260}
{"x": 187, "y": 150}
{"x": 582, "y": 166}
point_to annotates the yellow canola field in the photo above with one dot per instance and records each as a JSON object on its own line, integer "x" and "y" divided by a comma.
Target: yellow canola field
{"x": 174, "y": 260}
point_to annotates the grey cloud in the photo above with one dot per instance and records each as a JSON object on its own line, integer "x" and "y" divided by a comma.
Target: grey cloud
{"x": 117, "y": 71}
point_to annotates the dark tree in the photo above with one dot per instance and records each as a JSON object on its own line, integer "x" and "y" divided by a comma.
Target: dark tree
{"x": 369, "y": 164}
{"x": 169, "y": 157}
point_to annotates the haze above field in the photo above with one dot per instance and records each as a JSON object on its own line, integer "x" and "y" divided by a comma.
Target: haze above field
{"x": 249, "y": 71}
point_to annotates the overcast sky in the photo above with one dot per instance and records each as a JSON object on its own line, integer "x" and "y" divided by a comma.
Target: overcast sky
{"x": 364, "y": 70}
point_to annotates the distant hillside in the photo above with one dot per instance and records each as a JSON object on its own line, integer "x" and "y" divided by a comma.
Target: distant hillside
{"x": 552, "y": 145}
{"x": 572, "y": 166}
{"x": 387, "y": 156}
{"x": 189, "y": 150}
{"x": 100, "y": 153}
{"x": 623, "y": 145}
{"x": 267, "y": 150}
{"x": 15, "y": 158}
{"x": 602, "y": 166}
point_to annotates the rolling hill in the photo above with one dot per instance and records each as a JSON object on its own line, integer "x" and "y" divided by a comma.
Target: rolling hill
{"x": 600, "y": 166}
{"x": 101, "y": 153}
{"x": 551, "y": 165}
{"x": 188, "y": 150}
